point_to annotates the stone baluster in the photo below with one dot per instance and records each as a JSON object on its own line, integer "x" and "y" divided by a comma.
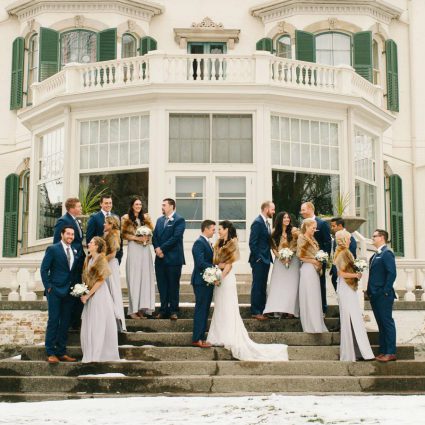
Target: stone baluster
{"x": 30, "y": 295}
{"x": 410, "y": 285}
{"x": 13, "y": 294}
{"x": 423, "y": 284}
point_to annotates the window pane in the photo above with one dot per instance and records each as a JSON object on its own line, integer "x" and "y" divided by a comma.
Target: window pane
{"x": 305, "y": 156}
{"x": 94, "y": 132}
{"x": 232, "y": 187}
{"x": 324, "y": 42}
{"x": 78, "y": 46}
{"x": 104, "y": 131}
{"x": 123, "y": 153}
{"x": 189, "y": 187}
{"x": 275, "y": 152}
{"x": 129, "y": 46}
{"x": 295, "y": 130}
{"x": 366, "y": 207}
{"x": 49, "y": 207}
{"x": 232, "y": 209}
{"x": 190, "y": 209}
{"x": 286, "y": 154}
{"x": 305, "y": 131}
{"x": 85, "y": 133}
{"x": 283, "y": 47}
{"x": 275, "y": 127}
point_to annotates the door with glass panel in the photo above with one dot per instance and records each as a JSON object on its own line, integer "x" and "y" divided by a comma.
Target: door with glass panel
{"x": 211, "y": 197}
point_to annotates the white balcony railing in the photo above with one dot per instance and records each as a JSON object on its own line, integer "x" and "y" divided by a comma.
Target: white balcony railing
{"x": 160, "y": 68}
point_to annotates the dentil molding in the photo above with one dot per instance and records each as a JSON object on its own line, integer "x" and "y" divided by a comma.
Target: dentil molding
{"x": 280, "y": 9}
{"x": 136, "y": 9}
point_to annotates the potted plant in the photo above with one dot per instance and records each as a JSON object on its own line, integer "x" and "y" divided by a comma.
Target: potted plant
{"x": 352, "y": 222}
{"x": 90, "y": 199}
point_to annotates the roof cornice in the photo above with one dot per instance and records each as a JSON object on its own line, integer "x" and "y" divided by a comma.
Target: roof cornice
{"x": 280, "y": 9}
{"x": 136, "y": 9}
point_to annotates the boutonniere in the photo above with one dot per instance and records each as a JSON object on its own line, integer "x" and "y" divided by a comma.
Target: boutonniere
{"x": 75, "y": 251}
{"x": 79, "y": 221}
{"x": 171, "y": 219}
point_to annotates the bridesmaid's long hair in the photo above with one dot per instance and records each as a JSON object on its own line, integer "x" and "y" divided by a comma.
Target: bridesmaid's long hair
{"x": 131, "y": 214}
{"x": 278, "y": 228}
{"x": 226, "y": 224}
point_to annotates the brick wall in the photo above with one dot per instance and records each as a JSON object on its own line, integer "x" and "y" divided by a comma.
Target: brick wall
{"x": 22, "y": 327}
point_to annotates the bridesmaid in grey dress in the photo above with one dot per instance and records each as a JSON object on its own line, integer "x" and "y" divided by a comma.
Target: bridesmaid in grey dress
{"x": 113, "y": 240}
{"x": 354, "y": 340}
{"x": 310, "y": 299}
{"x": 99, "y": 337}
{"x": 139, "y": 266}
{"x": 282, "y": 298}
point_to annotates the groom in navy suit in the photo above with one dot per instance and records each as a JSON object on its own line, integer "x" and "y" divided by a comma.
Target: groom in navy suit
{"x": 97, "y": 220}
{"x": 260, "y": 258}
{"x": 382, "y": 275}
{"x": 168, "y": 243}
{"x": 59, "y": 271}
{"x": 323, "y": 238}
{"x": 203, "y": 254}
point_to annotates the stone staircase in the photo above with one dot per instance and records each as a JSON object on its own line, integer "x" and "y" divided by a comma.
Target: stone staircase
{"x": 159, "y": 360}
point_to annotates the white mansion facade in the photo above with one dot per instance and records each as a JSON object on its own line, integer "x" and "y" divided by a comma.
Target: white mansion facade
{"x": 220, "y": 105}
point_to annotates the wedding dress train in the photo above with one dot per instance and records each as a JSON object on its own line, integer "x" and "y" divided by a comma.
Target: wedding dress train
{"x": 227, "y": 327}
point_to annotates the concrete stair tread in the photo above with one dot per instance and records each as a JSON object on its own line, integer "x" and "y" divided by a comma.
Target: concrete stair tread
{"x": 214, "y": 384}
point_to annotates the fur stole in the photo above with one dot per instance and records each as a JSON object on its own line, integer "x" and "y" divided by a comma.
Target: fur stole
{"x": 228, "y": 253}
{"x": 113, "y": 241}
{"x": 307, "y": 248}
{"x": 344, "y": 261}
{"x": 129, "y": 228}
{"x": 98, "y": 270}
{"x": 292, "y": 245}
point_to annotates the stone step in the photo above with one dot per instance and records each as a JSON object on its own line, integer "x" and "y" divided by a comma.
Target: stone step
{"x": 253, "y": 325}
{"x": 151, "y": 353}
{"x": 202, "y": 384}
{"x": 212, "y": 368}
{"x": 184, "y": 339}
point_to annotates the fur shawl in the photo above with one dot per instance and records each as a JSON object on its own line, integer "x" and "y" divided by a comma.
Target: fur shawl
{"x": 344, "y": 261}
{"x": 113, "y": 241}
{"x": 228, "y": 253}
{"x": 307, "y": 248}
{"x": 129, "y": 228}
{"x": 98, "y": 270}
{"x": 292, "y": 245}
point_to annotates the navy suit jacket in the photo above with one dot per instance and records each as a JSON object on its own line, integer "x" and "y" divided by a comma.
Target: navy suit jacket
{"x": 55, "y": 272}
{"x": 68, "y": 220}
{"x": 382, "y": 273}
{"x": 259, "y": 242}
{"x": 323, "y": 235}
{"x": 169, "y": 237}
{"x": 95, "y": 228}
{"x": 202, "y": 259}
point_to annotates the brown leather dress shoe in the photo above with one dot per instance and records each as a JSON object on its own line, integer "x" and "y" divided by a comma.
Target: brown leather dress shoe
{"x": 201, "y": 344}
{"x": 259, "y": 317}
{"x": 173, "y": 317}
{"x": 160, "y": 316}
{"x": 52, "y": 359}
{"x": 387, "y": 358}
{"x": 66, "y": 358}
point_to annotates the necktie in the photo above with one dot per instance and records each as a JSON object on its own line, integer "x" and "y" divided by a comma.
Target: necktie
{"x": 268, "y": 227}
{"x": 80, "y": 232}
{"x": 68, "y": 256}
{"x": 108, "y": 214}
{"x": 166, "y": 222}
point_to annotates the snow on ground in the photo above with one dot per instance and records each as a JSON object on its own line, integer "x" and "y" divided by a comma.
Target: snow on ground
{"x": 268, "y": 410}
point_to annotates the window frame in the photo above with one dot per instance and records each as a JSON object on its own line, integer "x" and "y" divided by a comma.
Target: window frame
{"x": 32, "y": 56}
{"x": 281, "y": 36}
{"x": 76, "y": 30}
{"x": 137, "y": 48}
{"x": 346, "y": 34}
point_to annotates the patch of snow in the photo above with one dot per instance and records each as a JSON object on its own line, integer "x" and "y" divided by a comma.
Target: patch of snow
{"x": 126, "y": 346}
{"x": 269, "y": 410}
{"x": 106, "y": 375}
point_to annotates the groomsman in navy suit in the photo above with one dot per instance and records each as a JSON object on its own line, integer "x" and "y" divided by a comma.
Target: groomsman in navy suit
{"x": 69, "y": 219}
{"x": 382, "y": 275}
{"x": 168, "y": 243}
{"x": 338, "y": 223}
{"x": 323, "y": 238}
{"x": 59, "y": 271}
{"x": 97, "y": 220}
{"x": 260, "y": 258}
{"x": 203, "y": 254}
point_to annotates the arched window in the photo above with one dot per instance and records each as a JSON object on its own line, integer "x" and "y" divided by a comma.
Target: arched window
{"x": 283, "y": 47}
{"x": 128, "y": 46}
{"x": 333, "y": 48}
{"x": 78, "y": 46}
{"x": 32, "y": 65}
{"x": 375, "y": 62}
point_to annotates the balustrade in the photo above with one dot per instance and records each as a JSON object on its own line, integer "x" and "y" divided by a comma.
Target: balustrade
{"x": 21, "y": 280}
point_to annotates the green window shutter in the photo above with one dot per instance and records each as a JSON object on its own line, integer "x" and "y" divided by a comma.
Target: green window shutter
{"x": 392, "y": 76}
{"x": 10, "y": 226}
{"x": 17, "y": 78}
{"x": 396, "y": 215}
{"x": 147, "y": 44}
{"x": 305, "y": 46}
{"x": 49, "y": 53}
{"x": 362, "y": 46}
{"x": 265, "y": 44}
{"x": 107, "y": 45}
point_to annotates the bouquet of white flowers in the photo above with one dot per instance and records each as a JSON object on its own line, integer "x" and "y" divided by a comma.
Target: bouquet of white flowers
{"x": 144, "y": 231}
{"x": 79, "y": 289}
{"x": 322, "y": 256}
{"x": 212, "y": 274}
{"x": 360, "y": 265}
{"x": 286, "y": 254}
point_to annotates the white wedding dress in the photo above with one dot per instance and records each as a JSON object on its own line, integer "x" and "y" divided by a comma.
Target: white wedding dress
{"x": 227, "y": 328}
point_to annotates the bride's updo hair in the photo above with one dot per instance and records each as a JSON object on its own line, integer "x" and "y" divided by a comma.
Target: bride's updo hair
{"x": 342, "y": 238}
{"x": 226, "y": 224}
{"x": 307, "y": 222}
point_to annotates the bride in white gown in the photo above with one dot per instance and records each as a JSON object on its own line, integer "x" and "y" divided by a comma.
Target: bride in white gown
{"x": 227, "y": 328}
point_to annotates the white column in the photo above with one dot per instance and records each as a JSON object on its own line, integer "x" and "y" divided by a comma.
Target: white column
{"x": 14, "y": 295}
{"x": 410, "y": 285}
{"x": 30, "y": 295}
